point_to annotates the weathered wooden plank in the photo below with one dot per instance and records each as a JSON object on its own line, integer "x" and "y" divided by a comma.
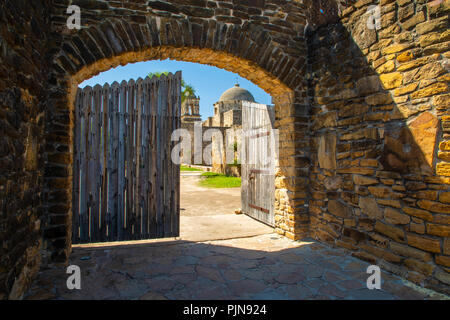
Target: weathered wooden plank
{"x": 121, "y": 163}
{"x": 146, "y": 156}
{"x": 130, "y": 161}
{"x": 104, "y": 162}
{"x": 151, "y": 220}
{"x": 113, "y": 180}
{"x": 138, "y": 154}
{"x": 175, "y": 118}
{"x": 85, "y": 181}
{"x": 165, "y": 214}
{"x": 94, "y": 162}
{"x": 76, "y": 168}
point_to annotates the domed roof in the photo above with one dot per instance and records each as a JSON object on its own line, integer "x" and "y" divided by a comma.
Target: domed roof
{"x": 237, "y": 93}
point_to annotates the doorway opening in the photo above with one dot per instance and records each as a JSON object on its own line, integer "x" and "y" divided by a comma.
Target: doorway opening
{"x": 123, "y": 186}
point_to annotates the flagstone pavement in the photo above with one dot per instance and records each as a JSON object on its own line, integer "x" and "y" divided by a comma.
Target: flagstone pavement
{"x": 262, "y": 267}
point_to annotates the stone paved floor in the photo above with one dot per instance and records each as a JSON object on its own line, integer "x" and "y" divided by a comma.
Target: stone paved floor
{"x": 260, "y": 267}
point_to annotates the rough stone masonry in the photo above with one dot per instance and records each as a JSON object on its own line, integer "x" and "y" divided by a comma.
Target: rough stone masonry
{"x": 362, "y": 112}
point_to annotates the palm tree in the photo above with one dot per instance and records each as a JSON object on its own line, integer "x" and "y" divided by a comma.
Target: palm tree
{"x": 187, "y": 89}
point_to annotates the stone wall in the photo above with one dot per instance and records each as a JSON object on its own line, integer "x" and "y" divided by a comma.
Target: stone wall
{"x": 362, "y": 116}
{"x": 232, "y": 117}
{"x": 23, "y": 78}
{"x": 206, "y": 143}
{"x": 380, "y": 178}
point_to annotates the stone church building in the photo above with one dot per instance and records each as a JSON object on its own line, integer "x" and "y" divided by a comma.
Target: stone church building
{"x": 227, "y": 115}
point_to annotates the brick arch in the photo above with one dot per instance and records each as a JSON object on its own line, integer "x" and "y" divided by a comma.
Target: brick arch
{"x": 247, "y": 50}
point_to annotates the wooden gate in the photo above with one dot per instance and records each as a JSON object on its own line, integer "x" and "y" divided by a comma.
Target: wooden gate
{"x": 125, "y": 186}
{"x": 258, "y": 159}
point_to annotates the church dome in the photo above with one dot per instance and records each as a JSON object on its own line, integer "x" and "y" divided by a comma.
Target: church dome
{"x": 237, "y": 93}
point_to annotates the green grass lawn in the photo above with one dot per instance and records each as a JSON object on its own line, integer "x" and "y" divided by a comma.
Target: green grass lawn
{"x": 218, "y": 180}
{"x": 184, "y": 168}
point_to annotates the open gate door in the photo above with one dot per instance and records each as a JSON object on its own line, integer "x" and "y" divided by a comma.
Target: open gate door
{"x": 258, "y": 158}
{"x": 125, "y": 185}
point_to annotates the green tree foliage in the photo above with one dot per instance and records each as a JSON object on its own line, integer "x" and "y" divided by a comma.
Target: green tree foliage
{"x": 187, "y": 90}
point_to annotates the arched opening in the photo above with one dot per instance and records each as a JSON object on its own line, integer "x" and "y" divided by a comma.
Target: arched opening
{"x": 289, "y": 187}
{"x": 210, "y": 189}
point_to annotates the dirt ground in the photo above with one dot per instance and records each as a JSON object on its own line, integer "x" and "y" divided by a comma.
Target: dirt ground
{"x": 208, "y": 213}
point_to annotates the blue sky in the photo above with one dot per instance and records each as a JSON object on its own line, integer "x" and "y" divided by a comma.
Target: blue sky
{"x": 209, "y": 82}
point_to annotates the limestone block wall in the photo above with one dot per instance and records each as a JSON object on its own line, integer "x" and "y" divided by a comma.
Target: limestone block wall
{"x": 23, "y": 79}
{"x": 380, "y": 178}
{"x": 231, "y": 143}
{"x": 232, "y": 117}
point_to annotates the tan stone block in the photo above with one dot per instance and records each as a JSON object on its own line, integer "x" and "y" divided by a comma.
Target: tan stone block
{"x": 339, "y": 209}
{"x": 389, "y": 66}
{"x": 417, "y": 228}
{"x": 426, "y": 194}
{"x": 378, "y": 98}
{"x": 327, "y": 151}
{"x": 430, "y": 71}
{"x": 346, "y": 245}
{"x": 406, "y": 89}
{"x": 442, "y": 101}
{"x": 382, "y": 254}
{"x": 434, "y": 206}
{"x": 431, "y": 90}
{"x": 444, "y": 155}
{"x": 438, "y": 230}
{"x": 443, "y": 276}
{"x": 444, "y": 78}
{"x": 405, "y": 56}
{"x": 447, "y": 246}
{"x": 437, "y": 48}
{"x": 443, "y": 169}
{"x": 391, "y": 80}
{"x": 424, "y": 243}
{"x": 444, "y": 145}
{"x": 350, "y": 222}
{"x": 414, "y": 20}
{"x": 410, "y": 252}
{"x": 419, "y": 266}
{"x": 370, "y": 208}
{"x": 444, "y": 197}
{"x": 380, "y": 192}
{"x": 442, "y": 219}
{"x": 357, "y": 170}
{"x": 422, "y": 214}
{"x": 431, "y": 25}
{"x": 389, "y": 202}
{"x": 394, "y": 233}
{"x": 396, "y": 48}
{"x": 412, "y": 64}
{"x": 404, "y": 111}
{"x": 395, "y": 217}
{"x": 369, "y": 163}
{"x": 424, "y": 130}
{"x": 363, "y": 180}
{"x": 443, "y": 260}
{"x": 429, "y": 39}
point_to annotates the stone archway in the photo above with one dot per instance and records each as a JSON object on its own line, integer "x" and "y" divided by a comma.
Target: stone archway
{"x": 112, "y": 42}
{"x": 363, "y": 114}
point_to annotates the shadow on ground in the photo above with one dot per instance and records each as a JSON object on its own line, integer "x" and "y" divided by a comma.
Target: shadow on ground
{"x": 262, "y": 267}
